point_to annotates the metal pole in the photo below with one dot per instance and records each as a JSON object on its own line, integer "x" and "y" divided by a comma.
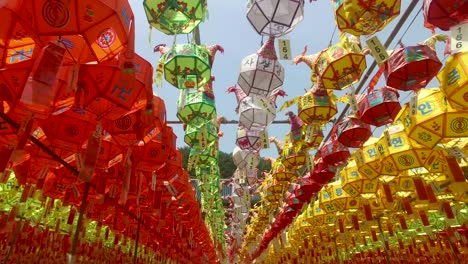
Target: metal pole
{"x": 136, "y": 242}
{"x": 231, "y": 122}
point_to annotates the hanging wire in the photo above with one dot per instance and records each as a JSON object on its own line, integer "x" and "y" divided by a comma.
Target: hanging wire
{"x": 332, "y": 36}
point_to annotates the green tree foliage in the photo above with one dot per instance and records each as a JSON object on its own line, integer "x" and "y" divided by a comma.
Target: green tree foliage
{"x": 226, "y": 164}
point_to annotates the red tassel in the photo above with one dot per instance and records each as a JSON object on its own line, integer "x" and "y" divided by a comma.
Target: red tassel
{"x": 424, "y": 218}
{"x": 403, "y": 224}
{"x": 407, "y": 206}
{"x": 420, "y": 190}
{"x": 355, "y": 220}
{"x": 456, "y": 172}
{"x": 388, "y": 192}
{"x": 71, "y": 216}
{"x": 374, "y": 235}
{"x": 390, "y": 229}
{"x": 368, "y": 212}
{"x": 430, "y": 194}
{"x": 448, "y": 210}
{"x": 5, "y": 155}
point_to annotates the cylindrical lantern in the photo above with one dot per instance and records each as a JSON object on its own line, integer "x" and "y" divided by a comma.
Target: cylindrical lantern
{"x": 275, "y": 17}
{"x": 379, "y": 107}
{"x": 261, "y": 73}
{"x": 316, "y": 107}
{"x": 412, "y": 67}
{"x": 334, "y": 153}
{"x": 352, "y": 132}
{"x": 444, "y": 14}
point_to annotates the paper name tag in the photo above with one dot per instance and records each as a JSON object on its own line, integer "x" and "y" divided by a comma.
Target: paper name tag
{"x": 459, "y": 39}
{"x": 285, "y": 49}
{"x": 456, "y": 152}
{"x": 377, "y": 50}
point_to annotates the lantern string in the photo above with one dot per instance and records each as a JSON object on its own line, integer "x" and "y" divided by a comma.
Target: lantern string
{"x": 332, "y": 36}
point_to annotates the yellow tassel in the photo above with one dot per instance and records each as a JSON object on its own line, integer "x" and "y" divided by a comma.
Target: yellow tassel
{"x": 289, "y": 103}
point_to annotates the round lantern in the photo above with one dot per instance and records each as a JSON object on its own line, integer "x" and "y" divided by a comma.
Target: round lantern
{"x": 379, "y": 107}
{"x": 202, "y": 135}
{"x": 334, "y": 153}
{"x": 365, "y": 18}
{"x": 444, "y": 14}
{"x": 185, "y": 65}
{"x": 245, "y": 158}
{"x": 110, "y": 153}
{"x": 255, "y": 112}
{"x": 251, "y": 139}
{"x": 175, "y": 17}
{"x": 316, "y": 107}
{"x": 275, "y": 17}
{"x": 261, "y": 73}
{"x": 412, "y": 68}
{"x": 195, "y": 107}
{"x": 454, "y": 80}
{"x": 352, "y": 132}
{"x": 434, "y": 120}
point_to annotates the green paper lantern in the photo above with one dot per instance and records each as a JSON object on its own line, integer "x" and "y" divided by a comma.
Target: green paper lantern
{"x": 186, "y": 65}
{"x": 205, "y": 157}
{"x": 204, "y": 134}
{"x": 175, "y": 16}
{"x": 195, "y": 107}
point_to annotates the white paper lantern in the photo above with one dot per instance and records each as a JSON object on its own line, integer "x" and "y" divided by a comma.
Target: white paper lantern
{"x": 245, "y": 159}
{"x": 275, "y": 17}
{"x": 249, "y": 139}
{"x": 261, "y": 73}
{"x": 255, "y": 112}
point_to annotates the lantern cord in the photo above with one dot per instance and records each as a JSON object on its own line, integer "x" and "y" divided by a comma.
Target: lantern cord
{"x": 38, "y": 143}
{"x": 332, "y": 36}
{"x": 406, "y": 31}
{"x": 231, "y": 122}
{"x": 366, "y": 76}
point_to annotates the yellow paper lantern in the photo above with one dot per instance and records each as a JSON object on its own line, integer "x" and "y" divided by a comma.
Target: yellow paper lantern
{"x": 399, "y": 153}
{"x": 433, "y": 120}
{"x": 340, "y": 65}
{"x": 354, "y": 184}
{"x": 368, "y": 160}
{"x": 453, "y": 80}
{"x": 365, "y": 17}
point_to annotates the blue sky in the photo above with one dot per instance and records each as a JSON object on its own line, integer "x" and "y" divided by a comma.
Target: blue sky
{"x": 228, "y": 26}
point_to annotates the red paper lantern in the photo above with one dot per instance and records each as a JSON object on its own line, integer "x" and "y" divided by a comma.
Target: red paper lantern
{"x": 379, "y": 107}
{"x": 334, "y": 153}
{"x": 352, "y": 132}
{"x": 69, "y": 130}
{"x": 412, "y": 68}
{"x": 129, "y": 130}
{"x": 115, "y": 87}
{"x": 444, "y": 14}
